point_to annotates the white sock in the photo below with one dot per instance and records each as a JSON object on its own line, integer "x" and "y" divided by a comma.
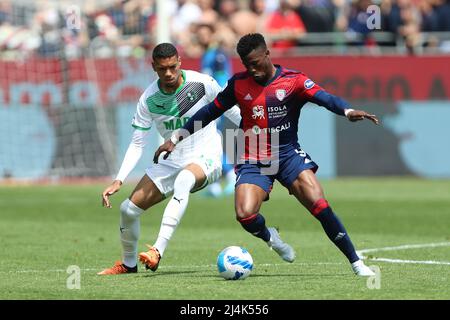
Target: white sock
{"x": 175, "y": 209}
{"x": 129, "y": 231}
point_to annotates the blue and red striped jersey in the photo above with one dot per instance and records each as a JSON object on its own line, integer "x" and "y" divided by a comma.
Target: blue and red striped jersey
{"x": 268, "y": 110}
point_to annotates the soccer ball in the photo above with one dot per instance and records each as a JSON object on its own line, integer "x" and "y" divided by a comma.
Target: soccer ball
{"x": 234, "y": 263}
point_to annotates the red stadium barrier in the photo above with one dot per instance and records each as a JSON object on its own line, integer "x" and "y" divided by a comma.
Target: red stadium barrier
{"x": 357, "y": 78}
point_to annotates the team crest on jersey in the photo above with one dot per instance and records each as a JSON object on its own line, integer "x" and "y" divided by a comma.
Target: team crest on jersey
{"x": 309, "y": 84}
{"x": 258, "y": 112}
{"x": 280, "y": 94}
{"x": 191, "y": 95}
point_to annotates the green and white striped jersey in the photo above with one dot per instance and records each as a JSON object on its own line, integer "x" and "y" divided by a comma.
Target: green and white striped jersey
{"x": 171, "y": 111}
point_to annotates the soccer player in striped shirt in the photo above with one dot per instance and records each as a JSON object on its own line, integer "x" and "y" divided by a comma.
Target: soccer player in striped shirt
{"x": 167, "y": 103}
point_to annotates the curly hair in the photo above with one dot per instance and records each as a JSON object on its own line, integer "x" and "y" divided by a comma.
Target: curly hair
{"x": 249, "y": 42}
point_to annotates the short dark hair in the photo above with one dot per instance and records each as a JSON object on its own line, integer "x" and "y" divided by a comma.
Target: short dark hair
{"x": 164, "y": 50}
{"x": 250, "y": 42}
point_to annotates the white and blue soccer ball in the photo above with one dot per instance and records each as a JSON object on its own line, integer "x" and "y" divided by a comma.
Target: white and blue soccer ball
{"x": 234, "y": 263}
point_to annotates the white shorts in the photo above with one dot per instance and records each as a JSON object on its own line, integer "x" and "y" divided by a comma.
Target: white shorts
{"x": 164, "y": 173}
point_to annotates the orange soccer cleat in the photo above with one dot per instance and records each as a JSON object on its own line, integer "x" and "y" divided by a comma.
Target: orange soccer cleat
{"x": 118, "y": 268}
{"x": 150, "y": 258}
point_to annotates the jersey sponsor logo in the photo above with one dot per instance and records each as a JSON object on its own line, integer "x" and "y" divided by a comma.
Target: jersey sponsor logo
{"x": 258, "y": 112}
{"x": 309, "y": 84}
{"x": 277, "y": 111}
{"x": 277, "y": 108}
{"x": 258, "y": 130}
{"x": 280, "y": 94}
{"x": 175, "y": 123}
{"x": 280, "y": 128}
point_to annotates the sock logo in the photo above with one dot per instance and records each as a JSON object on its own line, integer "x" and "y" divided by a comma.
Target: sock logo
{"x": 339, "y": 236}
{"x": 179, "y": 200}
{"x": 121, "y": 229}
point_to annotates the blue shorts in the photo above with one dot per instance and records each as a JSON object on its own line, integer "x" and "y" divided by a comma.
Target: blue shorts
{"x": 285, "y": 170}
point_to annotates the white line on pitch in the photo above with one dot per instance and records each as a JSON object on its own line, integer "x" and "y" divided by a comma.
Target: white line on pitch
{"x": 411, "y": 261}
{"x": 403, "y": 247}
{"x": 407, "y": 246}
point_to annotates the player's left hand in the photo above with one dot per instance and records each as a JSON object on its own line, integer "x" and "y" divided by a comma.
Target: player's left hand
{"x": 167, "y": 147}
{"x": 357, "y": 115}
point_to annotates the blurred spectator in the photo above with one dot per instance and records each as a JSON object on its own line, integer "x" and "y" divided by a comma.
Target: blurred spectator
{"x": 261, "y": 11}
{"x": 50, "y": 23}
{"x": 209, "y": 15}
{"x": 5, "y": 12}
{"x": 430, "y": 21}
{"x": 284, "y": 26}
{"x": 236, "y": 22}
{"x": 186, "y": 14}
{"x": 127, "y": 27}
{"x": 357, "y": 21}
{"x": 216, "y": 62}
{"x": 215, "y": 59}
{"x": 403, "y": 18}
{"x": 442, "y": 8}
{"x": 317, "y": 15}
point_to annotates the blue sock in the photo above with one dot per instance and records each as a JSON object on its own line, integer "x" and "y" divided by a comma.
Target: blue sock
{"x": 334, "y": 229}
{"x": 256, "y": 225}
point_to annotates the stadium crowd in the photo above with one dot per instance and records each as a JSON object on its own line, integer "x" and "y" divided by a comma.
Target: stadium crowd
{"x": 127, "y": 27}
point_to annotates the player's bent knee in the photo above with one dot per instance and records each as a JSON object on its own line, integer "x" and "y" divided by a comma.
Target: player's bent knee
{"x": 129, "y": 210}
{"x": 243, "y": 212}
{"x": 318, "y": 206}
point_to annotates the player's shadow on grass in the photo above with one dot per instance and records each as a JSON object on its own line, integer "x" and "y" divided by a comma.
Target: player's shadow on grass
{"x": 196, "y": 273}
{"x": 167, "y": 273}
{"x": 315, "y": 275}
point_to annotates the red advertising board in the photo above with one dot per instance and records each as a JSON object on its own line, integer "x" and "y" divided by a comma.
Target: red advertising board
{"x": 373, "y": 78}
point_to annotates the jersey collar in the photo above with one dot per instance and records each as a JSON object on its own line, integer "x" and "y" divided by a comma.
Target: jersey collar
{"x": 276, "y": 75}
{"x": 183, "y": 74}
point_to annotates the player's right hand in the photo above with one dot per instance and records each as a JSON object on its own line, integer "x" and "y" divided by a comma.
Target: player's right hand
{"x": 167, "y": 147}
{"x": 110, "y": 190}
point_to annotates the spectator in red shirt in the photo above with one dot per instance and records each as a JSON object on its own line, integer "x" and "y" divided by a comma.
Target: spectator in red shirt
{"x": 284, "y": 26}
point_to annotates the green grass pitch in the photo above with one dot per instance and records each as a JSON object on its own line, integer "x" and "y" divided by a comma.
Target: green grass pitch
{"x": 46, "y": 229}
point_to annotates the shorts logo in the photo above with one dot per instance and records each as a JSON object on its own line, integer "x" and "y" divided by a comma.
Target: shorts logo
{"x": 258, "y": 112}
{"x": 280, "y": 94}
{"x": 309, "y": 84}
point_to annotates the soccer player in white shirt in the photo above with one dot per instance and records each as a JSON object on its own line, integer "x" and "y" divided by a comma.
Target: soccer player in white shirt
{"x": 168, "y": 103}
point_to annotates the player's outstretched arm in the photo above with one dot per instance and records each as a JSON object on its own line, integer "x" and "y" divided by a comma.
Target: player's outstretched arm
{"x": 109, "y": 191}
{"x": 357, "y": 115}
{"x": 132, "y": 156}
